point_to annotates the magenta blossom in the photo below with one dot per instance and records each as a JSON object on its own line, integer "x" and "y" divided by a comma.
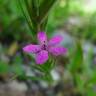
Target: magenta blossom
{"x": 45, "y": 47}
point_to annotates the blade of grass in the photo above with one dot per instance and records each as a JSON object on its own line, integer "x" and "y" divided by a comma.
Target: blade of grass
{"x": 45, "y": 8}
{"x": 77, "y": 60}
{"x": 26, "y": 17}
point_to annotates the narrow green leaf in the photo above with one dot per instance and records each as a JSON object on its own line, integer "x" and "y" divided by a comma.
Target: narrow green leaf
{"x": 31, "y": 12}
{"x": 34, "y": 78}
{"x": 45, "y": 8}
{"x": 92, "y": 79}
{"x": 43, "y": 25}
{"x": 26, "y": 15}
{"x": 80, "y": 83}
{"x": 77, "y": 59}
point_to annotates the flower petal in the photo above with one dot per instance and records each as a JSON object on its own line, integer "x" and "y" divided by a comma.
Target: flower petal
{"x": 42, "y": 38}
{"x": 41, "y": 57}
{"x": 55, "y": 40}
{"x": 57, "y": 50}
{"x": 31, "y": 48}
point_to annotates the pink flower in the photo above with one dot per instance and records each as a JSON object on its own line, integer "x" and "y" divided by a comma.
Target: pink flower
{"x": 45, "y": 47}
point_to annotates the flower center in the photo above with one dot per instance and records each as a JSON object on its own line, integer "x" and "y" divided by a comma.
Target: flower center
{"x": 44, "y": 46}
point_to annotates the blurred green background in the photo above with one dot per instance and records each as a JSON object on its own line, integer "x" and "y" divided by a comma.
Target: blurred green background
{"x": 73, "y": 74}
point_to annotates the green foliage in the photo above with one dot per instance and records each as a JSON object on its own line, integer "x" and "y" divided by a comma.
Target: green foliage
{"x": 83, "y": 73}
{"x": 77, "y": 59}
{"x": 4, "y": 68}
{"x": 45, "y": 69}
{"x": 91, "y": 92}
{"x": 80, "y": 83}
{"x": 36, "y": 13}
{"x": 17, "y": 66}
